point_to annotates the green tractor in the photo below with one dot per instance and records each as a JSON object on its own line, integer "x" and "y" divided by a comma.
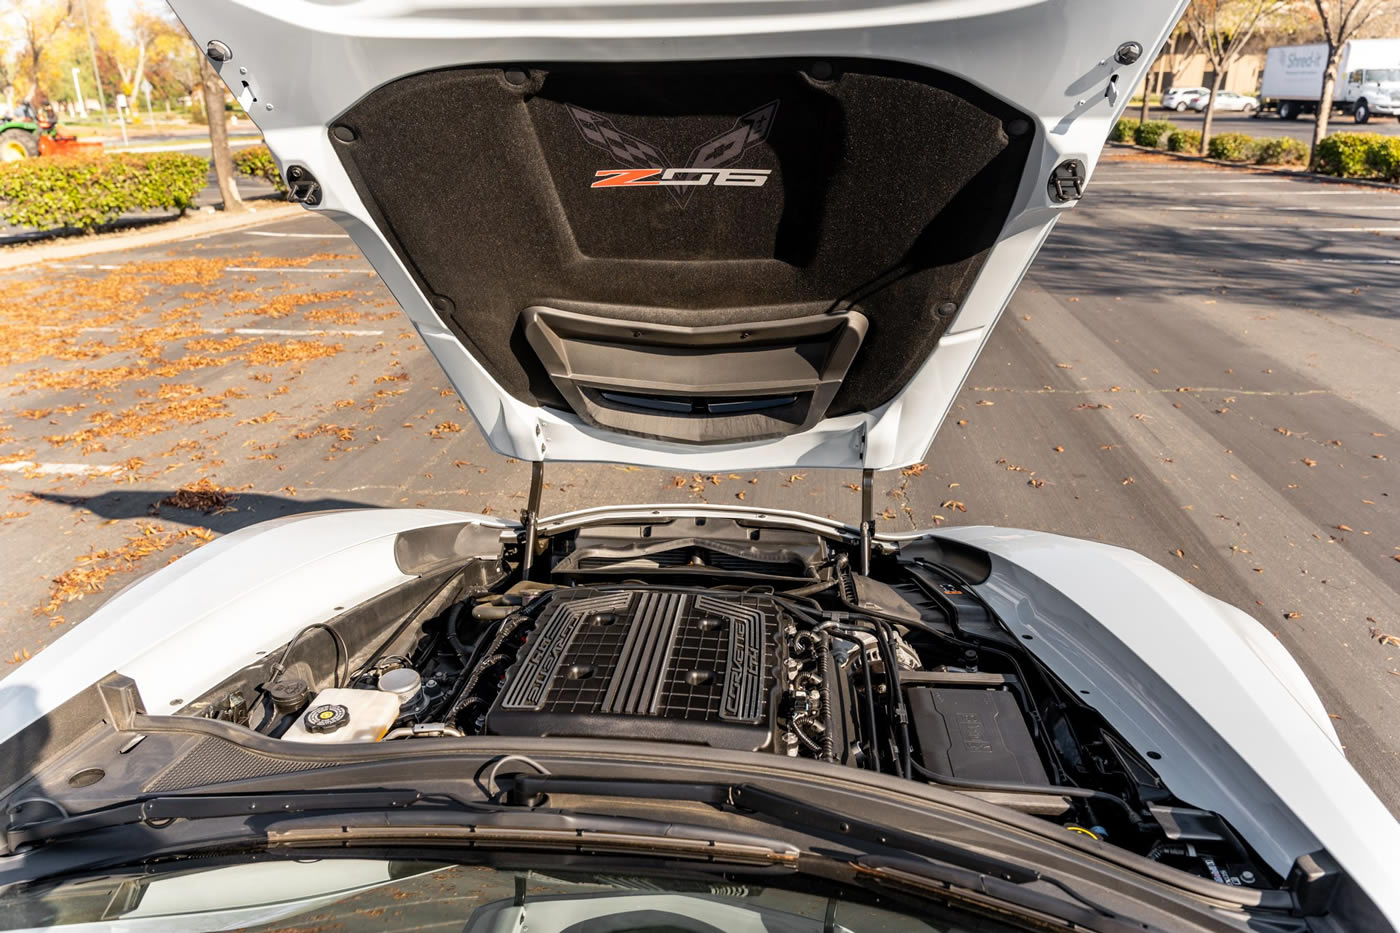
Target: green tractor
{"x": 19, "y": 139}
{"x": 25, "y": 137}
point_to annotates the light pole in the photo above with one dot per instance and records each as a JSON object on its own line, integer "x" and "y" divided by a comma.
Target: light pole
{"x": 96, "y": 72}
{"x": 77, "y": 88}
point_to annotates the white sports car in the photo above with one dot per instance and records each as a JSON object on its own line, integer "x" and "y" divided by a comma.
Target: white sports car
{"x": 682, "y": 718}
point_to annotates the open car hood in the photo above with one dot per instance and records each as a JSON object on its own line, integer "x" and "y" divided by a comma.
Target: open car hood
{"x": 705, "y": 236}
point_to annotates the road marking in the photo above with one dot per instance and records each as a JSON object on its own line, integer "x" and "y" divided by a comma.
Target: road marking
{"x": 1270, "y": 207}
{"x": 290, "y": 332}
{"x": 312, "y": 236}
{"x": 57, "y": 469}
{"x": 292, "y": 269}
{"x": 1254, "y": 229}
{"x": 1282, "y": 260}
{"x": 245, "y": 331}
{"x": 1238, "y": 194}
{"x": 88, "y": 265}
{"x": 1237, "y": 181}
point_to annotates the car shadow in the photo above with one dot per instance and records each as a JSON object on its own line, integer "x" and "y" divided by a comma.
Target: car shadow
{"x": 241, "y": 510}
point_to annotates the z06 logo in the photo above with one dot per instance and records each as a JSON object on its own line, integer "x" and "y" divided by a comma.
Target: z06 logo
{"x": 696, "y": 177}
{"x": 649, "y": 167}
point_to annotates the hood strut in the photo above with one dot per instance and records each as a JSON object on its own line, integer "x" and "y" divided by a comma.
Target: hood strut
{"x": 529, "y": 517}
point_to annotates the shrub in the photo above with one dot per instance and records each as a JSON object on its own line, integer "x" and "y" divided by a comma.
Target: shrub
{"x": 257, "y": 162}
{"x": 1383, "y": 158}
{"x": 1184, "y": 141}
{"x": 1122, "y": 131}
{"x": 1344, "y": 154}
{"x": 1282, "y": 150}
{"x": 1232, "y": 147}
{"x": 1152, "y": 132}
{"x": 85, "y": 191}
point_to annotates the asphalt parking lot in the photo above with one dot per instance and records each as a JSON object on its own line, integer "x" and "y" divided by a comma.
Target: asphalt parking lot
{"x": 1200, "y": 366}
{"x": 1268, "y": 124}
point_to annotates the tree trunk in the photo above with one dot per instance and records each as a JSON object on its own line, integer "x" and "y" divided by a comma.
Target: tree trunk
{"x": 218, "y": 135}
{"x": 1324, "y": 106}
{"x": 1215, "y": 82}
{"x": 1156, "y": 69}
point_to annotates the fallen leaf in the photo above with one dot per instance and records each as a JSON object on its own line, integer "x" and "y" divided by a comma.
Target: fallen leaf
{"x": 1292, "y": 614}
{"x": 1344, "y": 528}
{"x": 1058, "y": 448}
{"x": 1308, "y": 461}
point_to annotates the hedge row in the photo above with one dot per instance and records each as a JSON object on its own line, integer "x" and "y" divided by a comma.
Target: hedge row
{"x": 85, "y": 192}
{"x": 1359, "y": 155}
{"x": 257, "y": 162}
{"x": 1350, "y": 155}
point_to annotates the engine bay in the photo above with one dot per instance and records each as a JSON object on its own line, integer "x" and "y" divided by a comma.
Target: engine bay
{"x": 756, "y": 638}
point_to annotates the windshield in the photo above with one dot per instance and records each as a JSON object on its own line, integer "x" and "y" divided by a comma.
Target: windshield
{"x": 1384, "y": 75}
{"x": 368, "y": 894}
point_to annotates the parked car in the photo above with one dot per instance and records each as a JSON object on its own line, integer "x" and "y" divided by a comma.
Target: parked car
{"x": 1225, "y": 101}
{"x": 695, "y": 716}
{"x": 1179, "y": 98}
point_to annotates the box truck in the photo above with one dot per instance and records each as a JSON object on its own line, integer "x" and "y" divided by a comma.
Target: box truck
{"x": 1368, "y": 79}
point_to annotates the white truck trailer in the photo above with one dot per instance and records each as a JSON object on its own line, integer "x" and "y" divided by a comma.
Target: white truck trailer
{"x": 1368, "y": 79}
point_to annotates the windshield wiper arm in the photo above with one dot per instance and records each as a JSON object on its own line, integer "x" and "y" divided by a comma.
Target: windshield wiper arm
{"x": 159, "y": 810}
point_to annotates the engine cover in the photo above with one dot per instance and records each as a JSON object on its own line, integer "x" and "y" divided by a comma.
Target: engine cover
{"x": 647, "y": 664}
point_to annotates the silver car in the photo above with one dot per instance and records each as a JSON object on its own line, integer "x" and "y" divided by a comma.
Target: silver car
{"x": 1179, "y": 98}
{"x": 1225, "y": 100}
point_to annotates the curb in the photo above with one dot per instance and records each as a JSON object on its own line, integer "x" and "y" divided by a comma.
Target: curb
{"x": 181, "y": 228}
{"x": 1259, "y": 169}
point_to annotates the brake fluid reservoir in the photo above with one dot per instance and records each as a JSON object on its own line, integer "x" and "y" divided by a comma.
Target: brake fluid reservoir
{"x": 345, "y": 715}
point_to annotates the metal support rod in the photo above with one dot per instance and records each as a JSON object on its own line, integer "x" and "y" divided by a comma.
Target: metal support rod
{"x": 529, "y": 516}
{"x": 867, "y": 518}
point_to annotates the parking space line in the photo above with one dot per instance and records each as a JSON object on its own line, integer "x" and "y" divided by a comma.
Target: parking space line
{"x": 244, "y": 331}
{"x": 1251, "y": 228}
{"x": 57, "y": 469}
{"x": 1270, "y": 207}
{"x": 310, "y": 236}
{"x": 293, "y": 269}
{"x": 1280, "y": 260}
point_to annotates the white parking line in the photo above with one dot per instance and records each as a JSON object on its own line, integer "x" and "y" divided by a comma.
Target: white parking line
{"x": 1221, "y": 194}
{"x": 293, "y": 269}
{"x": 1250, "y": 228}
{"x": 290, "y": 332}
{"x": 1217, "y": 176}
{"x": 245, "y": 331}
{"x": 1263, "y": 208}
{"x": 57, "y": 469}
{"x": 310, "y": 236}
{"x": 87, "y": 265}
{"x": 1216, "y": 258}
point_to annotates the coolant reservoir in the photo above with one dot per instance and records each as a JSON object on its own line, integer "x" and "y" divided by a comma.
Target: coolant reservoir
{"x": 344, "y": 715}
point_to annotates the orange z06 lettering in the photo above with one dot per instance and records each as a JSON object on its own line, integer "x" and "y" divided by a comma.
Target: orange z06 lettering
{"x": 676, "y": 177}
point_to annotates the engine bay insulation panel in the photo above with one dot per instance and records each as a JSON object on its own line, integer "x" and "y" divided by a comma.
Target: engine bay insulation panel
{"x": 647, "y": 664}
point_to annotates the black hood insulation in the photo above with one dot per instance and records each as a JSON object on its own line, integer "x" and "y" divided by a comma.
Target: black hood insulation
{"x": 794, "y": 188}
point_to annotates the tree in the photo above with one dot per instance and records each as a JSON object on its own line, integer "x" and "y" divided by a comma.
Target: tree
{"x": 40, "y": 20}
{"x": 1341, "y": 20}
{"x": 214, "y": 90}
{"x": 1221, "y": 29}
{"x": 1169, "y": 53}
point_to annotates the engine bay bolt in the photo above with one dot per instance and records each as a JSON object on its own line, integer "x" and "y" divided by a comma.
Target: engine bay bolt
{"x": 1128, "y": 53}
{"x": 218, "y": 51}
